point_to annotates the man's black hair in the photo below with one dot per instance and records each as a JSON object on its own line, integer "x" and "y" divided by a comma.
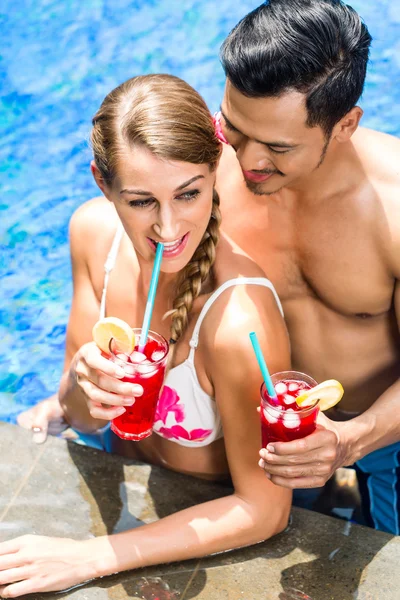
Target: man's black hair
{"x": 316, "y": 47}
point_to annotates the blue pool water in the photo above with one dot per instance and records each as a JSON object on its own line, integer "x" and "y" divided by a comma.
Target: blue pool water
{"x": 58, "y": 61}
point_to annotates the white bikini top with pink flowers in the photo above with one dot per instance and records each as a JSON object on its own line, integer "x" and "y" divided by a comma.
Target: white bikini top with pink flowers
{"x": 185, "y": 413}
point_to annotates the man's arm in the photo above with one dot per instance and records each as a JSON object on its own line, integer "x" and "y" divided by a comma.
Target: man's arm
{"x": 311, "y": 461}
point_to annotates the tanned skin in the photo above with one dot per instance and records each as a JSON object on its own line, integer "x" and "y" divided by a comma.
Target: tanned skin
{"x": 325, "y": 228}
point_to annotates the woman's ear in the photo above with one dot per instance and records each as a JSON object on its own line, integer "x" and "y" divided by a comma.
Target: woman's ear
{"x": 98, "y": 177}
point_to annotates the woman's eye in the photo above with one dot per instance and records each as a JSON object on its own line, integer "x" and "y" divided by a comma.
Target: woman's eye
{"x": 140, "y": 203}
{"x": 188, "y": 196}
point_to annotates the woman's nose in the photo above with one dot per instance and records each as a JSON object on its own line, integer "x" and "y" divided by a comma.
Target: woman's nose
{"x": 166, "y": 226}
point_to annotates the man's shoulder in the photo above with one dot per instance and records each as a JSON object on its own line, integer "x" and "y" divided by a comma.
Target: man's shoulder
{"x": 380, "y": 156}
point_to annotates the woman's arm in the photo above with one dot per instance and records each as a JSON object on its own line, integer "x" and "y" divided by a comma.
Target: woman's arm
{"x": 90, "y": 393}
{"x": 257, "y": 510}
{"x": 45, "y": 417}
{"x": 83, "y": 361}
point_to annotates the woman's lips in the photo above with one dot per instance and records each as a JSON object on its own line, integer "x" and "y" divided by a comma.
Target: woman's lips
{"x": 257, "y": 177}
{"x": 171, "y": 249}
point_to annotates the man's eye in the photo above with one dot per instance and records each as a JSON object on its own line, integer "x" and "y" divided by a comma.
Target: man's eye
{"x": 278, "y": 151}
{"x": 188, "y": 196}
{"x": 140, "y": 203}
{"x": 230, "y": 127}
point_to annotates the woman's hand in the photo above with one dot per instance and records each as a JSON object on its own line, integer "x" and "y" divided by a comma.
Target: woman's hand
{"x": 33, "y": 563}
{"x": 46, "y": 417}
{"x": 100, "y": 381}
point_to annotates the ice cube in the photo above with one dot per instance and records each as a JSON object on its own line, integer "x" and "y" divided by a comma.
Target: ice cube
{"x": 271, "y": 418}
{"x": 137, "y": 357}
{"x": 281, "y": 388}
{"x": 288, "y": 399}
{"x": 291, "y": 419}
{"x": 146, "y": 369}
{"x": 157, "y": 355}
{"x": 293, "y": 387}
{"x": 123, "y": 361}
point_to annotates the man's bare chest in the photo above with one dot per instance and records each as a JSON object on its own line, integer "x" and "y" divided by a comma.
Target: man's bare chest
{"x": 330, "y": 263}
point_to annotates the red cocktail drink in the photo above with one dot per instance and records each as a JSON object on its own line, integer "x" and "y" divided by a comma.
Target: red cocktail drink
{"x": 282, "y": 420}
{"x": 148, "y": 370}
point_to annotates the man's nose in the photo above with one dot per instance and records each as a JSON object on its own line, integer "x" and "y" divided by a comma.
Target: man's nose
{"x": 166, "y": 225}
{"x": 252, "y": 156}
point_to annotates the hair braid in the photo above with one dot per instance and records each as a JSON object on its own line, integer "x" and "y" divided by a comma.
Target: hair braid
{"x": 195, "y": 273}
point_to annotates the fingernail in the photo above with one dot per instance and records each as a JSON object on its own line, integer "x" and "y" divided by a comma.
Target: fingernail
{"x": 261, "y": 463}
{"x": 120, "y": 412}
{"x": 38, "y": 438}
{"x": 38, "y": 435}
{"x": 119, "y": 373}
{"x": 267, "y": 475}
{"x": 270, "y": 448}
{"x": 129, "y": 401}
{"x": 137, "y": 390}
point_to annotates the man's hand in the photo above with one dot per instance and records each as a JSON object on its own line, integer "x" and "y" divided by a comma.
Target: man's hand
{"x": 308, "y": 462}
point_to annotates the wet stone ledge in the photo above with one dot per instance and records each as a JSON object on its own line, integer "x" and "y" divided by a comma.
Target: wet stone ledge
{"x": 63, "y": 489}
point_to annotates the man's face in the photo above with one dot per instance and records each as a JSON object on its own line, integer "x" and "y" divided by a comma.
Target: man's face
{"x": 273, "y": 144}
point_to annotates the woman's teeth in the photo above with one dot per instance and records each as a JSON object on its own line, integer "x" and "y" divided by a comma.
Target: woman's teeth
{"x": 171, "y": 246}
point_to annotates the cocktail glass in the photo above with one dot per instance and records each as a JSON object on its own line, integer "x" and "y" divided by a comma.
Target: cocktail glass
{"x": 282, "y": 420}
{"x": 148, "y": 370}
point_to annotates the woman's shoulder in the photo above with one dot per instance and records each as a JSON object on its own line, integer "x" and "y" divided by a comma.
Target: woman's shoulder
{"x": 232, "y": 262}
{"x": 249, "y": 302}
{"x": 95, "y": 213}
{"x": 92, "y": 227}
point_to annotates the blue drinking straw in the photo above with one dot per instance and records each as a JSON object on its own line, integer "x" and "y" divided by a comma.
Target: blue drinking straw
{"x": 262, "y": 365}
{"x": 151, "y": 297}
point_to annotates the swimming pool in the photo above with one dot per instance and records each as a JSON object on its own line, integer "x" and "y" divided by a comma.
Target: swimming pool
{"x": 58, "y": 60}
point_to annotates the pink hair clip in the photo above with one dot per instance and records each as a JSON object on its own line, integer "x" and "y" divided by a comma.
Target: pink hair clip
{"x": 218, "y": 128}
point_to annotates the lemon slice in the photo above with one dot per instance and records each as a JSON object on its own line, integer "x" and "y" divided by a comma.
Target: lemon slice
{"x": 112, "y": 327}
{"x": 328, "y": 393}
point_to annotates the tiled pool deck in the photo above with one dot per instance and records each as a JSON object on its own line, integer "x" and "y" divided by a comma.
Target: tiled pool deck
{"x": 83, "y": 492}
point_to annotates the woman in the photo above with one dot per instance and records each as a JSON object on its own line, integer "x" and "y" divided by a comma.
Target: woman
{"x": 155, "y": 158}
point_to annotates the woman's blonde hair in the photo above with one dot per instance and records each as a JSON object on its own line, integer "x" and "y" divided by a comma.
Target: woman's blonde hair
{"x": 168, "y": 117}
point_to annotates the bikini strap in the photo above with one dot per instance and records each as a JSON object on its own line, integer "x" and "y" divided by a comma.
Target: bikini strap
{"x": 263, "y": 281}
{"x": 109, "y": 265}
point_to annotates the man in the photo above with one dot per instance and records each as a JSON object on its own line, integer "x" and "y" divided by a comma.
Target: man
{"x": 315, "y": 201}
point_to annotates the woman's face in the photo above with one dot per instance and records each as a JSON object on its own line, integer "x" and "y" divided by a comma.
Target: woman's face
{"x": 164, "y": 201}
